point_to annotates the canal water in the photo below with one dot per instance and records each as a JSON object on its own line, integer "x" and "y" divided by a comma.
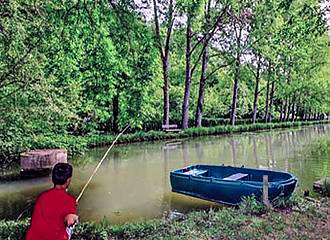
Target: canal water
{"x": 133, "y": 182}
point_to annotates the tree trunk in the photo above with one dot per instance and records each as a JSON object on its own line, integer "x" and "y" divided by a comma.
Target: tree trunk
{"x": 115, "y": 110}
{"x": 164, "y": 54}
{"x": 235, "y": 91}
{"x": 293, "y": 107}
{"x": 293, "y": 112}
{"x": 267, "y": 101}
{"x": 202, "y": 84}
{"x": 256, "y": 91}
{"x": 303, "y": 113}
{"x": 236, "y": 77}
{"x": 287, "y": 110}
{"x": 166, "y": 101}
{"x": 185, "y": 105}
{"x": 284, "y": 109}
{"x": 272, "y": 92}
{"x": 281, "y": 113}
{"x": 308, "y": 114}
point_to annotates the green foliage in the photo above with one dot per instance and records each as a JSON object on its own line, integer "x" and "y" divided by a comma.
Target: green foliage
{"x": 252, "y": 206}
{"x": 11, "y": 148}
{"x": 292, "y": 201}
{"x": 13, "y": 230}
{"x": 91, "y": 231}
{"x": 75, "y": 68}
{"x": 326, "y": 187}
{"x": 102, "y": 140}
{"x": 224, "y": 223}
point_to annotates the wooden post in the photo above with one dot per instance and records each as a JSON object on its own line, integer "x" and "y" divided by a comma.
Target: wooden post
{"x": 265, "y": 190}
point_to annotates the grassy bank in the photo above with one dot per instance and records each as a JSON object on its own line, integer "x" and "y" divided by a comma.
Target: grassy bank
{"x": 295, "y": 218}
{"x": 102, "y": 140}
{"x": 9, "y": 153}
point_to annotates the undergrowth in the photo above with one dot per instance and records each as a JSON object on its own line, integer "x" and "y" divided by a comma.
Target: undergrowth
{"x": 300, "y": 220}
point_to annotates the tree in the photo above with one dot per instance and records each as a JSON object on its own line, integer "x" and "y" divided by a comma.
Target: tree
{"x": 164, "y": 50}
{"x": 219, "y": 15}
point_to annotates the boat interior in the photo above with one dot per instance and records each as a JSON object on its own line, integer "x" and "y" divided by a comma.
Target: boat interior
{"x": 234, "y": 173}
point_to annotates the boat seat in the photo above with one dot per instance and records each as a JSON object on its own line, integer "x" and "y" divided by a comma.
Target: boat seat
{"x": 236, "y": 176}
{"x": 195, "y": 172}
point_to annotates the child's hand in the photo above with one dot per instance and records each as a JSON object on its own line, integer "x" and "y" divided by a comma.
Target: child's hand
{"x": 70, "y": 219}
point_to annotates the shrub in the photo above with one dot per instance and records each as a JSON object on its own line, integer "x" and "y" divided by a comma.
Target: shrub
{"x": 326, "y": 187}
{"x": 13, "y": 230}
{"x": 283, "y": 203}
{"x": 251, "y": 206}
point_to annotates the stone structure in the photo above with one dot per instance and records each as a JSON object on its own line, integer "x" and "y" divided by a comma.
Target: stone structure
{"x": 318, "y": 185}
{"x": 41, "y": 160}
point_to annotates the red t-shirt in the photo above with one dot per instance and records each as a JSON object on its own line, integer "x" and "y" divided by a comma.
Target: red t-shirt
{"x": 47, "y": 221}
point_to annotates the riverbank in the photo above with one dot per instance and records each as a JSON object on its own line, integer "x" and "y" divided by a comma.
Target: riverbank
{"x": 9, "y": 171}
{"x": 103, "y": 140}
{"x": 296, "y": 218}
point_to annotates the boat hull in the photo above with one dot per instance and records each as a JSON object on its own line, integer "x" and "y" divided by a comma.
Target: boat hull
{"x": 214, "y": 183}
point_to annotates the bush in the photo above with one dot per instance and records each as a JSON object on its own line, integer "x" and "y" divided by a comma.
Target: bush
{"x": 284, "y": 203}
{"x": 326, "y": 187}
{"x": 10, "y": 148}
{"x": 15, "y": 143}
{"x": 251, "y": 206}
{"x": 12, "y": 230}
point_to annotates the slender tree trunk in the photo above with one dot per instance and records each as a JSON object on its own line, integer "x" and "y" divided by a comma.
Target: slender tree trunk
{"x": 271, "y": 103}
{"x": 293, "y": 113}
{"x": 235, "y": 91}
{"x": 311, "y": 114}
{"x": 202, "y": 84}
{"x": 293, "y": 107}
{"x": 307, "y": 115}
{"x": 166, "y": 101}
{"x": 236, "y": 78}
{"x": 185, "y": 105}
{"x": 287, "y": 110}
{"x": 164, "y": 54}
{"x": 298, "y": 112}
{"x": 287, "y": 104}
{"x": 282, "y": 110}
{"x": 267, "y": 101}
{"x": 303, "y": 113}
{"x": 256, "y": 91}
{"x": 115, "y": 110}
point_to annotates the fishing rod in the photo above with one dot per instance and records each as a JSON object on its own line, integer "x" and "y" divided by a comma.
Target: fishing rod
{"x": 98, "y": 166}
{"x": 70, "y": 228}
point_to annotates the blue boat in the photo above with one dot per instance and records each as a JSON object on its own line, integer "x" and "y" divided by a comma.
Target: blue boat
{"x": 229, "y": 185}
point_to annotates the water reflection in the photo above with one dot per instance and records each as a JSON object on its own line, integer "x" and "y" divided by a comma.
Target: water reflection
{"x": 133, "y": 181}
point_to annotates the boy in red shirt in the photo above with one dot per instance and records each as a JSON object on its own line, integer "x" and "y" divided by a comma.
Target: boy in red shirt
{"x": 54, "y": 209}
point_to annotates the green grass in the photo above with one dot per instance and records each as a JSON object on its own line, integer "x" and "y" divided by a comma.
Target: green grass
{"x": 101, "y": 140}
{"x": 296, "y": 219}
{"x": 80, "y": 144}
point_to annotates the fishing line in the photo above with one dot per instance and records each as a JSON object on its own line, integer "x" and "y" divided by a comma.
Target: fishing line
{"x": 98, "y": 166}
{"x": 70, "y": 228}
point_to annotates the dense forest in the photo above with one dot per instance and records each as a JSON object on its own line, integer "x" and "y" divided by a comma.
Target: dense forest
{"x": 71, "y": 68}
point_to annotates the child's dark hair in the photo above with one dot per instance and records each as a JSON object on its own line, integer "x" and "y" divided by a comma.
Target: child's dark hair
{"x": 61, "y": 172}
